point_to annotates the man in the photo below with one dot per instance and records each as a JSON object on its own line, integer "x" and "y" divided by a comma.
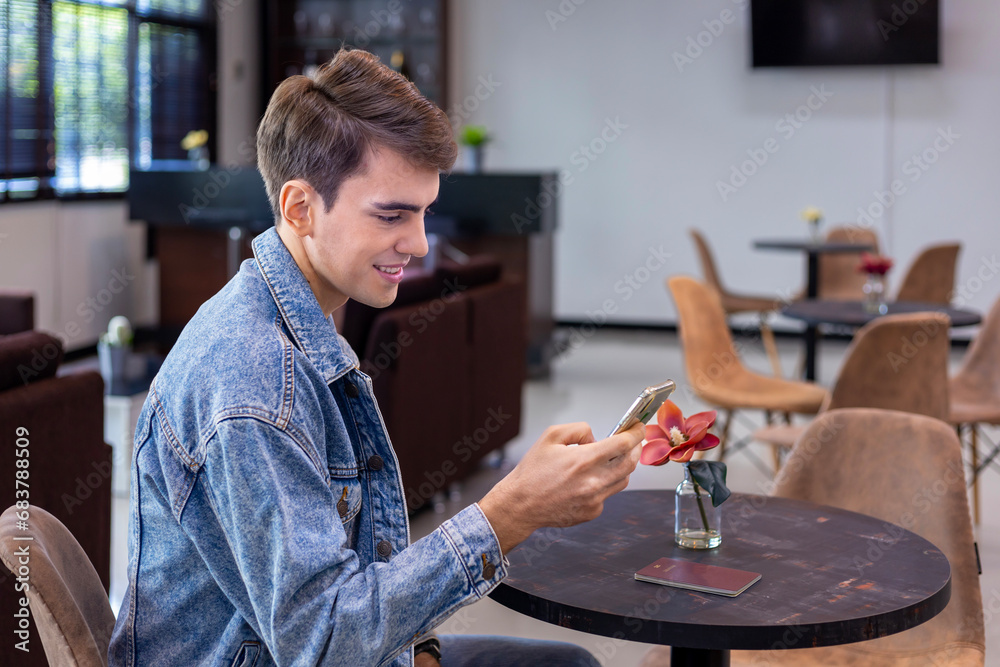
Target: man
{"x": 267, "y": 521}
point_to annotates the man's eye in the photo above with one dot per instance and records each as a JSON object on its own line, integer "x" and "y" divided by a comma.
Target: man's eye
{"x": 428, "y": 212}
{"x": 389, "y": 218}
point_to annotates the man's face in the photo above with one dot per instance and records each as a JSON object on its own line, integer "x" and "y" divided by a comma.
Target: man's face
{"x": 358, "y": 249}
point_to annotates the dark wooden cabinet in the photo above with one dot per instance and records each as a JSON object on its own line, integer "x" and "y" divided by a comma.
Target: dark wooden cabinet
{"x": 408, "y": 35}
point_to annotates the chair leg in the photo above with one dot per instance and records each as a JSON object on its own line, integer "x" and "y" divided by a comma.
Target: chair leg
{"x": 776, "y": 453}
{"x": 767, "y": 337}
{"x": 975, "y": 472}
{"x": 724, "y": 435}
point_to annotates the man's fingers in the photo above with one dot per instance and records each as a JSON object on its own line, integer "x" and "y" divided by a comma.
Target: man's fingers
{"x": 621, "y": 444}
{"x": 578, "y": 433}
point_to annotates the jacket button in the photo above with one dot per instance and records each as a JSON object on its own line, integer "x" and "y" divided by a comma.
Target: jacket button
{"x": 351, "y": 389}
{"x": 375, "y": 463}
{"x": 488, "y": 568}
{"x": 384, "y": 549}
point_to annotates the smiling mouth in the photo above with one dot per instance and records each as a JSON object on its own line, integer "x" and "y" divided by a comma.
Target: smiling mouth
{"x": 391, "y": 270}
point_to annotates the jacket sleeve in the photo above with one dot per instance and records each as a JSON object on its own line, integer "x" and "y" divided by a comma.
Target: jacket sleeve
{"x": 305, "y": 593}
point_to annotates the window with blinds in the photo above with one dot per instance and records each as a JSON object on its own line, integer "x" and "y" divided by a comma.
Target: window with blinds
{"x": 90, "y": 89}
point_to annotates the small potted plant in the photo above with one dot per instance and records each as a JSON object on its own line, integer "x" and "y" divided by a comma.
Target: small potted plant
{"x": 195, "y": 143}
{"x": 814, "y": 217}
{"x": 113, "y": 349}
{"x": 875, "y": 266}
{"x": 474, "y": 138}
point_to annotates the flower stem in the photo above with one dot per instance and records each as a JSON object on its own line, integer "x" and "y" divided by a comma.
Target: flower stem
{"x": 701, "y": 507}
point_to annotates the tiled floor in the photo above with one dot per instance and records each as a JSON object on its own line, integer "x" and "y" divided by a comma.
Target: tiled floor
{"x": 594, "y": 382}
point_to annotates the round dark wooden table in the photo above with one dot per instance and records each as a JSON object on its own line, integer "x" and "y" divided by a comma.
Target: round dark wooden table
{"x": 852, "y": 313}
{"x": 829, "y": 577}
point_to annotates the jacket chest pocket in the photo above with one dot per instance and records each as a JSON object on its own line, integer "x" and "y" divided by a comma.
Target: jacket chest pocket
{"x": 348, "y": 492}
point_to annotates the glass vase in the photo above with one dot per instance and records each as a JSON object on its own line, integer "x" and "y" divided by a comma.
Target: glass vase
{"x": 697, "y": 525}
{"x": 874, "y": 290}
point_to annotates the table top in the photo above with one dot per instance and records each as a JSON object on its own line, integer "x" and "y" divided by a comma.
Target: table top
{"x": 824, "y": 311}
{"x": 829, "y": 576}
{"x": 810, "y": 245}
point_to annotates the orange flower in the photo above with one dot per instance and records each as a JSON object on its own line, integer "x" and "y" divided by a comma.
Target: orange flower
{"x": 673, "y": 438}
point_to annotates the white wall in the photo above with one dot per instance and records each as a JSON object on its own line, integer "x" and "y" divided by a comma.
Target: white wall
{"x": 689, "y": 124}
{"x": 85, "y": 263}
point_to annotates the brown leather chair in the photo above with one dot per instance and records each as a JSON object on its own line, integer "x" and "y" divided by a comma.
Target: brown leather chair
{"x": 876, "y": 462}
{"x": 69, "y": 463}
{"x": 931, "y": 276}
{"x": 734, "y": 303}
{"x": 68, "y": 604}
{"x": 895, "y": 362}
{"x": 17, "y": 311}
{"x": 713, "y": 366}
{"x": 975, "y": 390}
{"x": 839, "y": 278}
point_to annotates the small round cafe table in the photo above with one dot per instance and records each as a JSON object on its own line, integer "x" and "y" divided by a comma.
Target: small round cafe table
{"x": 813, "y": 250}
{"x": 852, "y": 313}
{"x": 829, "y": 577}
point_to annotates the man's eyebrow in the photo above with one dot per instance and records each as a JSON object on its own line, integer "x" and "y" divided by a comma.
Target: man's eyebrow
{"x": 400, "y": 206}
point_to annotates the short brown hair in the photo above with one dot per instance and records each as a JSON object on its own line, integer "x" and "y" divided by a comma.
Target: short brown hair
{"x": 322, "y": 129}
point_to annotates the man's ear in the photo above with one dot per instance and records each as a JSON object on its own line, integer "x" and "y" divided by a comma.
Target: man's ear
{"x": 297, "y": 201}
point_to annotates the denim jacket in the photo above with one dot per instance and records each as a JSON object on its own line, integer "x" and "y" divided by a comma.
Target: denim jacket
{"x": 267, "y": 524}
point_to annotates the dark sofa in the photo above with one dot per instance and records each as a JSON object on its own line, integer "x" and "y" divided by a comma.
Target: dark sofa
{"x": 68, "y": 469}
{"x": 447, "y": 361}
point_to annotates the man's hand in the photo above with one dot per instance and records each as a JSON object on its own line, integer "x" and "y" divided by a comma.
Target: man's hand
{"x": 557, "y": 485}
{"x": 425, "y": 660}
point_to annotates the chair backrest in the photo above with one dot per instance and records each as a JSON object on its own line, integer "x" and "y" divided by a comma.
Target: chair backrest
{"x": 839, "y": 278}
{"x": 707, "y": 260}
{"x": 69, "y": 606}
{"x": 709, "y": 355}
{"x": 896, "y": 362}
{"x": 931, "y": 276}
{"x": 981, "y": 364}
{"x": 905, "y": 469}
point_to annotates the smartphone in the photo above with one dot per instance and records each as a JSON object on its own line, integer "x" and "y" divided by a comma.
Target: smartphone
{"x": 644, "y": 406}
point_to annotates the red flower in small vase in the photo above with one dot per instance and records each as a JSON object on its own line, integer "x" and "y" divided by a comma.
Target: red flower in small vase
{"x": 673, "y": 438}
{"x": 877, "y": 264}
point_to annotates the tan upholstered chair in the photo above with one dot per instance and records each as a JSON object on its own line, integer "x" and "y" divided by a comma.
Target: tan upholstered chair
{"x": 734, "y": 303}
{"x": 975, "y": 390}
{"x": 839, "y": 278}
{"x": 69, "y": 606}
{"x": 876, "y": 462}
{"x": 931, "y": 276}
{"x": 895, "y": 362}
{"x": 713, "y": 366}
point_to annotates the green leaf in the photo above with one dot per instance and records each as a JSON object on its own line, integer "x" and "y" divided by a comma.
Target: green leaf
{"x": 711, "y": 476}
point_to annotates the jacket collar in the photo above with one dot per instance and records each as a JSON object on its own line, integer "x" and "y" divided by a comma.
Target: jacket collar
{"x": 315, "y": 335}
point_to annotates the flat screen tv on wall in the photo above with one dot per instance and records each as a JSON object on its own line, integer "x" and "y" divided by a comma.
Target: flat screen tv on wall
{"x": 812, "y": 33}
